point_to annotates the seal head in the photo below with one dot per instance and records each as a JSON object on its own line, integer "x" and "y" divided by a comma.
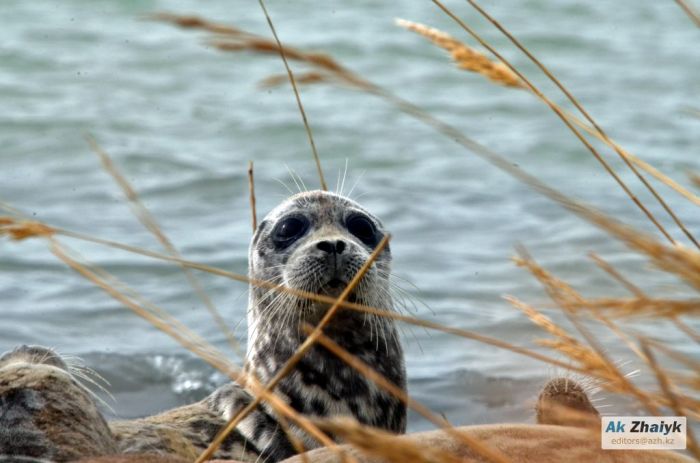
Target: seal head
{"x": 316, "y": 242}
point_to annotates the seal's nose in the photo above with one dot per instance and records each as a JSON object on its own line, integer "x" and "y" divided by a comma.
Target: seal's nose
{"x": 331, "y": 247}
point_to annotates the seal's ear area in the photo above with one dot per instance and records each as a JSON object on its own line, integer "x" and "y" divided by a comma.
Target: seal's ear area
{"x": 564, "y": 402}
{"x": 39, "y": 355}
{"x": 262, "y": 226}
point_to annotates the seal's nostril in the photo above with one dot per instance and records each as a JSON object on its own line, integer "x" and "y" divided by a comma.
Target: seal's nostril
{"x": 326, "y": 246}
{"x": 331, "y": 248}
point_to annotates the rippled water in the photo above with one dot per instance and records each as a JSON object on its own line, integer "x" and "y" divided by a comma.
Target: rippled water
{"x": 182, "y": 120}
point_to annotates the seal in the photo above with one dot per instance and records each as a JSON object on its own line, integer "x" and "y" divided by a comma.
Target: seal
{"x": 317, "y": 241}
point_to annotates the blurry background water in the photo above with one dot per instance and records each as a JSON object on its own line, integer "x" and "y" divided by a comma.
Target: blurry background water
{"x": 182, "y": 120}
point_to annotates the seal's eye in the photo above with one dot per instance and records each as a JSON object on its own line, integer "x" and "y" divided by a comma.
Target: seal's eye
{"x": 363, "y": 228}
{"x": 289, "y": 230}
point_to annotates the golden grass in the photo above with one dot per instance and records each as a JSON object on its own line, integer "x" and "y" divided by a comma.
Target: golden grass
{"x": 465, "y": 57}
{"x": 21, "y": 230}
{"x": 311, "y": 77}
{"x": 564, "y": 343}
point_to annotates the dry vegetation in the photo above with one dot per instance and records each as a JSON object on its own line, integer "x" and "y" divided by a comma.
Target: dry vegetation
{"x": 678, "y": 390}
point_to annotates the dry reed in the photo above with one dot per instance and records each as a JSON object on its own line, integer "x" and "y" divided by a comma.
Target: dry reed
{"x": 311, "y": 77}
{"x": 21, "y": 230}
{"x": 465, "y": 57}
{"x": 565, "y": 343}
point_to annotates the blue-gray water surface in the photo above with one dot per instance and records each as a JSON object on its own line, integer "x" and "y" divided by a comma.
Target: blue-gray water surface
{"x": 182, "y": 120}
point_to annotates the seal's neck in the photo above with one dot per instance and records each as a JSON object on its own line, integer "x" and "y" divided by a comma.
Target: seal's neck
{"x": 273, "y": 338}
{"x": 321, "y": 383}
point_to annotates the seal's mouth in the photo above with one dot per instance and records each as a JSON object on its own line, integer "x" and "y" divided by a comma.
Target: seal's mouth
{"x": 335, "y": 287}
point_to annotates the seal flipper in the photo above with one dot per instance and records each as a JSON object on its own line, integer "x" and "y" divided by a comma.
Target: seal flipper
{"x": 260, "y": 428}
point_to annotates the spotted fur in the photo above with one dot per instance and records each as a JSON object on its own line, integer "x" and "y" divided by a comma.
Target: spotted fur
{"x": 320, "y": 384}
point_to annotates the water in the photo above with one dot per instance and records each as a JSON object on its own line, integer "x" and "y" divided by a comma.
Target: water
{"x": 182, "y": 120}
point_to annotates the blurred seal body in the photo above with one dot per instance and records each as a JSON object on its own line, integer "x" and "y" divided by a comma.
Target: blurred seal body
{"x": 44, "y": 412}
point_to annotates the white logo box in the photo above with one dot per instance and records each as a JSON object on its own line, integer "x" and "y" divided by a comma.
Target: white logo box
{"x": 643, "y": 432}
